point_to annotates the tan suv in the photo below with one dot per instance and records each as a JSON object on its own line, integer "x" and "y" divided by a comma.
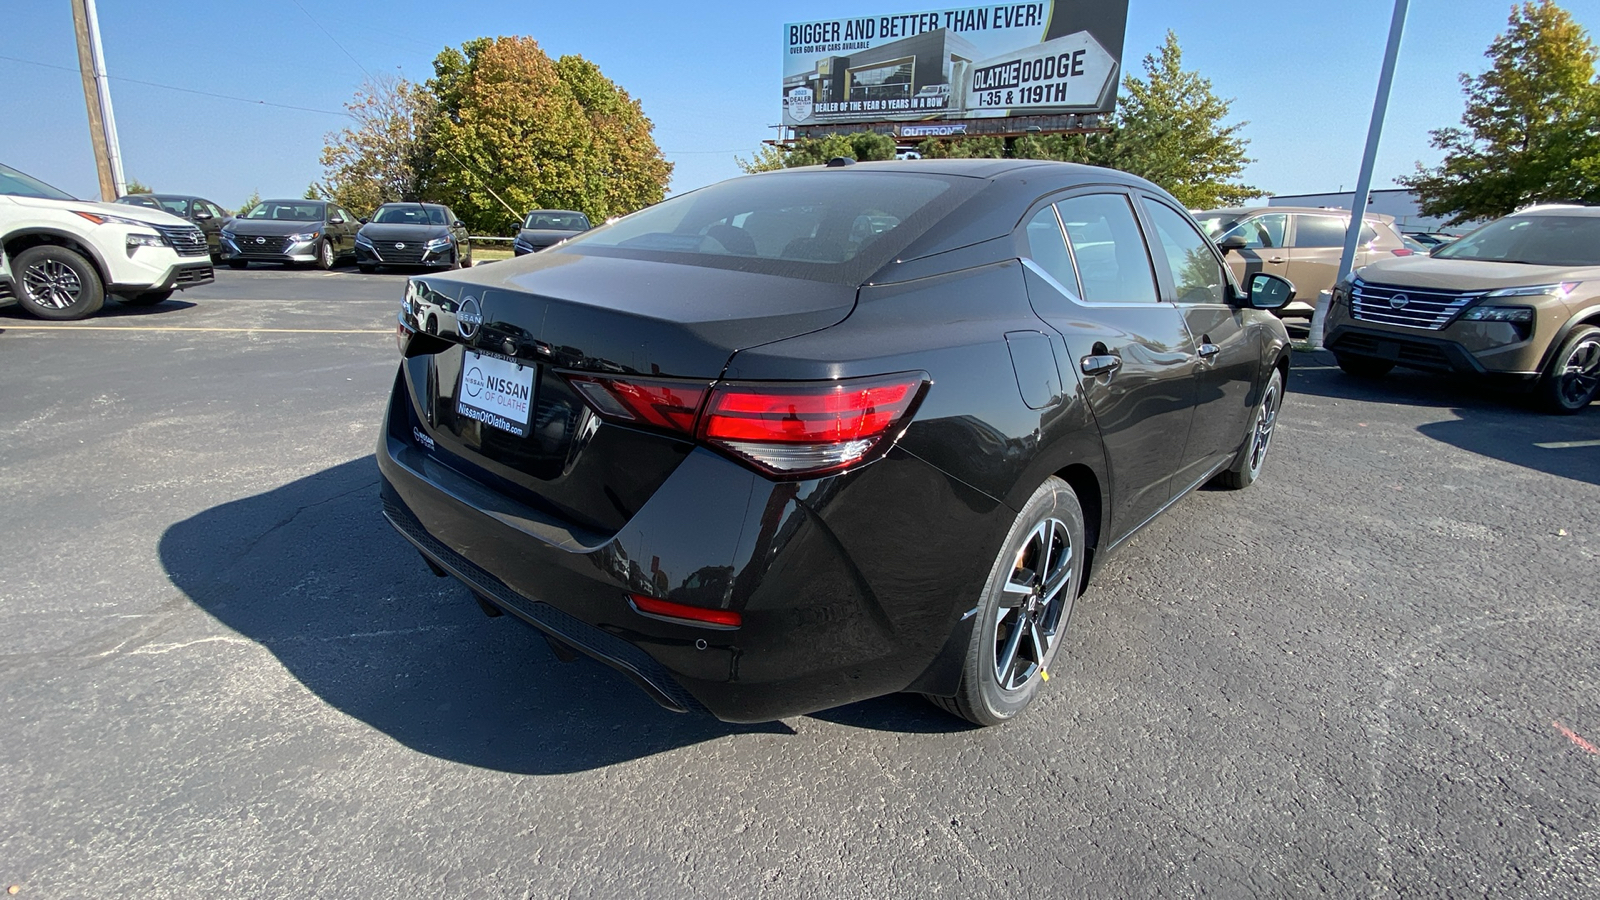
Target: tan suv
{"x": 1519, "y": 297}
{"x": 1302, "y": 244}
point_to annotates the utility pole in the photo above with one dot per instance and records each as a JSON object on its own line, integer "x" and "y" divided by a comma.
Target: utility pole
{"x": 1380, "y": 108}
{"x": 97, "y": 96}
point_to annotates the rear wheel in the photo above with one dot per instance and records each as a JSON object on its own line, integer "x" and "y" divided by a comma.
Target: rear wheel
{"x": 147, "y": 299}
{"x": 1364, "y": 366}
{"x": 1252, "y": 456}
{"x": 1024, "y": 610}
{"x": 1573, "y": 378}
{"x": 57, "y": 283}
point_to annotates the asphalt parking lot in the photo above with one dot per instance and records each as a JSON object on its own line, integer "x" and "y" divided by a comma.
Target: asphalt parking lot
{"x": 1374, "y": 673}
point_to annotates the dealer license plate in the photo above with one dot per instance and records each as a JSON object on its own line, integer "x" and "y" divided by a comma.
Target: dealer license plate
{"x": 496, "y": 392}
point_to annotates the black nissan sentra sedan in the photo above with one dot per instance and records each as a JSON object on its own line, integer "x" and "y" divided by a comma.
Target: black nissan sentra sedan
{"x": 811, "y": 436}
{"x": 413, "y": 234}
{"x": 547, "y": 227}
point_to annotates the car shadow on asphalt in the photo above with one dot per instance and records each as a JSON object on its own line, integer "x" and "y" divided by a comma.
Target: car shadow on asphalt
{"x": 112, "y": 310}
{"x": 1490, "y": 420}
{"x": 313, "y": 573}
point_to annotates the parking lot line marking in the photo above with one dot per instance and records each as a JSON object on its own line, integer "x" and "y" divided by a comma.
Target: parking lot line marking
{"x": 195, "y": 328}
{"x": 1567, "y": 445}
{"x": 1573, "y": 736}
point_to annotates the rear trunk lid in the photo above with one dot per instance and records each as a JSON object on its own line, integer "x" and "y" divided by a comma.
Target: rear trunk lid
{"x": 509, "y": 331}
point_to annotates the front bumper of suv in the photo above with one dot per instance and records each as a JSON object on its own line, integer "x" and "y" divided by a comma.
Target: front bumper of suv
{"x": 1460, "y": 346}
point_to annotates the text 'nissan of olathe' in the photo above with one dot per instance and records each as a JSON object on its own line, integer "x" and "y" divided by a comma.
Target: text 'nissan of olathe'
{"x": 807, "y": 437}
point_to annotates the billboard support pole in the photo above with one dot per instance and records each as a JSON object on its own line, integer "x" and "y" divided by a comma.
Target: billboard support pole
{"x": 1380, "y": 108}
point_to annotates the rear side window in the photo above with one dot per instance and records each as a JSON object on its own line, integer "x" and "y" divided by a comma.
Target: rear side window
{"x": 1196, "y": 274}
{"x": 823, "y": 225}
{"x": 1318, "y": 231}
{"x": 1113, "y": 265}
{"x": 1048, "y": 249}
{"x": 1368, "y": 235}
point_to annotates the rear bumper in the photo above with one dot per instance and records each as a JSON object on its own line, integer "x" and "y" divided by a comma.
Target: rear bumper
{"x": 849, "y": 587}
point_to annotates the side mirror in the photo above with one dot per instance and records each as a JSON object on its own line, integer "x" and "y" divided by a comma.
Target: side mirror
{"x": 1232, "y": 242}
{"x": 1269, "y": 291}
{"x": 364, "y": 220}
{"x": 202, "y": 215}
{"x": 336, "y": 220}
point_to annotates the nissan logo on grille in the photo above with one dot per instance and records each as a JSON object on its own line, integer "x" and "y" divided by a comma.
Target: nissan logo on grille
{"x": 399, "y": 246}
{"x": 261, "y": 240}
{"x": 1399, "y": 301}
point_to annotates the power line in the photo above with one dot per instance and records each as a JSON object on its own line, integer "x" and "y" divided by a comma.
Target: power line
{"x": 173, "y": 87}
{"x": 335, "y": 40}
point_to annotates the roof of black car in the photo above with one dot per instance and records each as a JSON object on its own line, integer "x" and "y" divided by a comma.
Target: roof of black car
{"x": 970, "y": 168}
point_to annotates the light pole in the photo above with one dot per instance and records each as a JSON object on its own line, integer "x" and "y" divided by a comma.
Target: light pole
{"x": 1380, "y": 107}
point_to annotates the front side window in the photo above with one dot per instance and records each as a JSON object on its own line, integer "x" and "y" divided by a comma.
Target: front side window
{"x": 1196, "y": 275}
{"x": 1113, "y": 264}
{"x": 1048, "y": 249}
{"x": 1318, "y": 231}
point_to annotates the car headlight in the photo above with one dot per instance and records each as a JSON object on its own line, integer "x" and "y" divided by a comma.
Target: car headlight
{"x": 304, "y": 236}
{"x": 363, "y": 240}
{"x": 103, "y": 219}
{"x": 137, "y": 240}
{"x": 227, "y": 234}
{"x": 438, "y": 243}
{"x": 1499, "y": 313}
{"x": 1538, "y": 290}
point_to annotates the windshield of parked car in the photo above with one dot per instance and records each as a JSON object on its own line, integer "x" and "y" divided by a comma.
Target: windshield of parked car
{"x": 1535, "y": 240}
{"x": 556, "y": 221}
{"x": 285, "y": 211}
{"x": 178, "y": 206}
{"x": 408, "y": 214}
{"x": 17, "y": 184}
{"x": 823, "y": 224}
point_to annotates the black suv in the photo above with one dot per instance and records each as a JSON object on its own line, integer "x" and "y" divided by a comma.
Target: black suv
{"x": 207, "y": 216}
{"x": 291, "y": 231}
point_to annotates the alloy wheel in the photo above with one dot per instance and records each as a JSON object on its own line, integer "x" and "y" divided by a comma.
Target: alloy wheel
{"x": 52, "y": 283}
{"x": 1580, "y": 374}
{"x": 1266, "y": 419}
{"x": 1029, "y": 614}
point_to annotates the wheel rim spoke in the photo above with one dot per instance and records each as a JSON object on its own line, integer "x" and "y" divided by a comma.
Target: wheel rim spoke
{"x": 1031, "y": 602}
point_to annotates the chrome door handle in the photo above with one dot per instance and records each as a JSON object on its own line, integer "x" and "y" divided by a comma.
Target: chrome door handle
{"x": 1208, "y": 350}
{"x": 1275, "y": 260}
{"x": 1107, "y": 364}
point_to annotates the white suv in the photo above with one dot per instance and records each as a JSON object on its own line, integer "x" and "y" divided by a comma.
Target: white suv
{"x": 60, "y": 256}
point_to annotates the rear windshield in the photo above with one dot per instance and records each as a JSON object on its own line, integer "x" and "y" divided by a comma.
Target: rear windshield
{"x": 285, "y": 211}
{"x": 819, "y": 224}
{"x": 409, "y": 214}
{"x": 1537, "y": 240}
{"x": 556, "y": 221}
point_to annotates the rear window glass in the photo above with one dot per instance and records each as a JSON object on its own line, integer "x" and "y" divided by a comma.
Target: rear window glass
{"x": 1537, "y": 240}
{"x": 824, "y": 225}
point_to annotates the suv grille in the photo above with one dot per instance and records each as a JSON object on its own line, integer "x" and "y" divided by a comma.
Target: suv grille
{"x": 1432, "y": 310}
{"x": 186, "y": 239}
{"x": 251, "y": 245}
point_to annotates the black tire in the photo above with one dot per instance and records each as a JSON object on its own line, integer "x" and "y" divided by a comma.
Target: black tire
{"x": 56, "y": 283}
{"x": 147, "y": 299}
{"x": 238, "y": 263}
{"x": 327, "y": 258}
{"x": 1024, "y": 610}
{"x": 432, "y": 325}
{"x": 1252, "y": 456}
{"x": 1363, "y": 366}
{"x": 1572, "y": 379}
{"x": 366, "y": 268}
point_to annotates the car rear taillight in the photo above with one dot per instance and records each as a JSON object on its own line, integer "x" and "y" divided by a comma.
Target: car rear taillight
{"x": 780, "y": 428}
{"x": 1403, "y": 251}
{"x": 808, "y": 428}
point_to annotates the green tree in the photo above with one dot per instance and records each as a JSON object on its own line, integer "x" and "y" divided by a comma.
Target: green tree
{"x": 861, "y": 145}
{"x": 380, "y": 156}
{"x": 135, "y": 186}
{"x": 1531, "y": 130}
{"x": 255, "y": 197}
{"x": 514, "y": 130}
{"x": 963, "y": 148}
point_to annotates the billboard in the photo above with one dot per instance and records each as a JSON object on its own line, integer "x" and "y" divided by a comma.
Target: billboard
{"x": 1017, "y": 59}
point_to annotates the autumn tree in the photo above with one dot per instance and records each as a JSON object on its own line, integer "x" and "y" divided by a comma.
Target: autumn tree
{"x": 380, "y": 157}
{"x": 135, "y": 186}
{"x": 1531, "y": 130}
{"x": 515, "y": 131}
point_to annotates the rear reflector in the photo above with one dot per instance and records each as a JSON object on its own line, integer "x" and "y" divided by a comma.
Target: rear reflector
{"x": 696, "y": 615}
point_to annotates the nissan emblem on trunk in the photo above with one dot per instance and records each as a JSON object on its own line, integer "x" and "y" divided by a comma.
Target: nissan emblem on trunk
{"x": 470, "y": 317}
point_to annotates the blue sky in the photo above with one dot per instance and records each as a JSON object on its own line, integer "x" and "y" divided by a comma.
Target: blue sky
{"x": 708, "y": 73}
